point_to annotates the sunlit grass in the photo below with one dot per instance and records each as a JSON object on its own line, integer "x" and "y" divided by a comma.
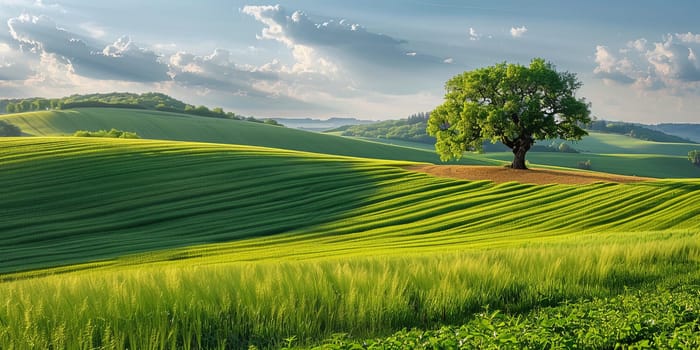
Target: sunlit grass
{"x": 150, "y": 124}
{"x": 72, "y": 200}
{"x": 192, "y": 303}
{"x": 154, "y": 244}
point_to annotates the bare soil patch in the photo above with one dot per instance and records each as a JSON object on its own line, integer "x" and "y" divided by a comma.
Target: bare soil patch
{"x": 500, "y": 174}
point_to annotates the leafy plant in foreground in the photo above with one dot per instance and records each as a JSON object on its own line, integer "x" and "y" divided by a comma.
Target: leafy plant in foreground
{"x": 641, "y": 320}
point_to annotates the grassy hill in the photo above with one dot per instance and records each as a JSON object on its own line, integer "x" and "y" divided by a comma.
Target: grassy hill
{"x": 172, "y": 126}
{"x": 153, "y": 244}
{"x": 618, "y": 155}
{"x": 647, "y": 165}
{"x": 146, "y": 195}
{"x": 607, "y": 152}
{"x": 688, "y": 131}
{"x": 603, "y": 143}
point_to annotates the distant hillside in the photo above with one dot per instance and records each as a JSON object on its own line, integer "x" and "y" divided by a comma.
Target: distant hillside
{"x": 638, "y": 131}
{"x": 320, "y": 124}
{"x": 150, "y": 101}
{"x": 182, "y": 127}
{"x": 412, "y": 129}
{"x": 408, "y": 129}
{"x": 688, "y": 131}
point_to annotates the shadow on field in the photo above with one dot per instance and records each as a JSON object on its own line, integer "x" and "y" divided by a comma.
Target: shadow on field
{"x": 75, "y": 201}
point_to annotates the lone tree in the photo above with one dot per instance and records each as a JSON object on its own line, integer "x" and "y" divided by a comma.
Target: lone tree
{"x": 694, "y": 157}
{"x": 510, "y": 103}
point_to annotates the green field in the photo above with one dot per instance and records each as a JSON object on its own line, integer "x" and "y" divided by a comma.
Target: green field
{"x": 149, "y": 244}
{"x": 603, "y": 143}
{"x": 181, "y": 127}
{"x": 609, "y": 153}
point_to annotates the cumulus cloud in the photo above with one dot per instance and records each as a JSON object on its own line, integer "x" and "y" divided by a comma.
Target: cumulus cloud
{"x": 518, "y": 32}
{"x": 216, "y": 71}
{"x": 688, "y": 37}
{"x": 473, "y": 35}
{"x": 121, "y": 60}
{"x": 328, "y": 44}
{"x": 671, "y": 63}
{"x": 611, "y": 67}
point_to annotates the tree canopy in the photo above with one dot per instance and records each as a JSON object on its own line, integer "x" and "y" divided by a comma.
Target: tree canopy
{"x": 510, "y": 103}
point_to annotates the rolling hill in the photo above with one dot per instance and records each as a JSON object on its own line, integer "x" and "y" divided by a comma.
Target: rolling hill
{"x": 111, "y": 243}
{"x": 181, "y": 127}
{"x": 143, "y": 195}
{"x": 609, "y": 153}
{"x": 688, "y": 131}
{"x": 604, "y": 143}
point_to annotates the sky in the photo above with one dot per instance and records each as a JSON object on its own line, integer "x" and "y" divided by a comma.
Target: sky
{"x": 370, "y": 59}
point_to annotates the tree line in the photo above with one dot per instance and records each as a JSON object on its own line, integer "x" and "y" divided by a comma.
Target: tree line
{"x": 149, "y": 101}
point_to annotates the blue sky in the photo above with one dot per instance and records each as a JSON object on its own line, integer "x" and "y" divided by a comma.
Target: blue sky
{"x": 368, "y": 59}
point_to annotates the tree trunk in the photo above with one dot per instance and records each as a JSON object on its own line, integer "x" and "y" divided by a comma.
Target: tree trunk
{"x": 519, "y": 158}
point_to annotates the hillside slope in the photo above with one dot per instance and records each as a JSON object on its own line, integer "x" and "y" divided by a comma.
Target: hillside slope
{"x": 625, "y": 160}
{"x": 181, "y": 127}
{"x": 72, "y": 200}
{"x": 604, "y": 143}
{"x": 688, "y": 131}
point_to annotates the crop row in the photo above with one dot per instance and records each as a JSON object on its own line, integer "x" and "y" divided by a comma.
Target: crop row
{"x": 70, "y": 200}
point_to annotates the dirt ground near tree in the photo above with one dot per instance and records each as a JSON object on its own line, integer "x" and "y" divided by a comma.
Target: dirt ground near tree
{"x": 499, "y": 174}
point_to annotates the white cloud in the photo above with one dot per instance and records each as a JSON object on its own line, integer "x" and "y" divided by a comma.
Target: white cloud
{"x": 216, "y": 71}
{"x": 688, "y": 37}
{"x": 473, "y": 35}
{"x": 335, "y": 46}
{"x": 639, "y": 44}
{"x": 667, "y": 64}
{"x": 518, "y": 32}
{"x": 122, "y": 60}
{"x": 330, "y": 66}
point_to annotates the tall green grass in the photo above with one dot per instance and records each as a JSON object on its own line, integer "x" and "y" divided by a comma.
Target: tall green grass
{"x": 233, "y": 305}
{"x": 146, "y": 244}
